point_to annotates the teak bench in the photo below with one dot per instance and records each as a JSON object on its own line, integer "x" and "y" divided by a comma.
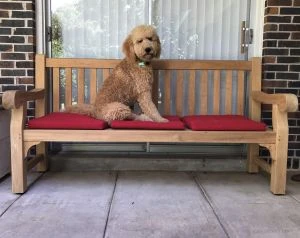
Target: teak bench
{"x": 201, "y": 87}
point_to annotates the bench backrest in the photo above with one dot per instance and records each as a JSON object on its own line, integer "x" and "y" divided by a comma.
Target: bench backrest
{"x": 181, "y": 87}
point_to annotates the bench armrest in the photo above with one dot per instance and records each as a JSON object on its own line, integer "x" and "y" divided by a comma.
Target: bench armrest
{"x": 13, "y": 99}
{"x": 286, "y": 102}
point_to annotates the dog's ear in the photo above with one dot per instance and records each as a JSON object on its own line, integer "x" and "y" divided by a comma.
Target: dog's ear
{"x": 158, "y": 51}
{"x": 128, "y": 49}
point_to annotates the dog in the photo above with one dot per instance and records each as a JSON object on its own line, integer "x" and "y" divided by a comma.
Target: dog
{"x": 130, "y": 82}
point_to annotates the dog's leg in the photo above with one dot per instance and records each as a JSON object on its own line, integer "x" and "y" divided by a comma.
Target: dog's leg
{"x": 148, "y": 107}
{"x": 141, "y": 117}
{"x": 113, "y": 111}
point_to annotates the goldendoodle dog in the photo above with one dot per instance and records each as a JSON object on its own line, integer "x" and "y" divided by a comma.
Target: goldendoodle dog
{"x": 130, "y": 82}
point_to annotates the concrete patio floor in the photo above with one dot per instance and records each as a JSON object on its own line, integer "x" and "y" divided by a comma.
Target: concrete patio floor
{"x": 149, "y": 204}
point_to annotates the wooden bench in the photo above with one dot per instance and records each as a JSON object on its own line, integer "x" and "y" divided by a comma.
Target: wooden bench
{"x": 201, "y": 87}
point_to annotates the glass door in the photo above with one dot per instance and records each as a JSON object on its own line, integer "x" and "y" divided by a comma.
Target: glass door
{"x": 188, "y": 29}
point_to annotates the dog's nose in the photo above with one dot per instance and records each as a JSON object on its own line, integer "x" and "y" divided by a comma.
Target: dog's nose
{"x": 148, "y": 49}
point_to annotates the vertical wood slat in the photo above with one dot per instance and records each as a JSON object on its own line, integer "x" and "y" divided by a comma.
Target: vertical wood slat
{"x": 93, "y": 85}
{"x": 179, "y": 93}
{"x": 216, "y": 93}
{"x": 105, "y": 74}
{"x": 192, "y": 93}
{"x": 40, "y": 75}
{"x": 228, "y": 94}
{"x": 155, "y": 87}
{"x": 203, "y": 92}
{"x": 255, "y": 85}
{"x": 80, "y": 85}
{"x": 167, "y": 92}
{"x": 56, "y": 91}
{"x": 240, "y": 92}
{"x": 68, "y": 89}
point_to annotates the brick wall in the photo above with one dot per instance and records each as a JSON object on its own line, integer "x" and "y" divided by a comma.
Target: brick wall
{"x": 281, "y": 62}
{"x": 17, "y": 45}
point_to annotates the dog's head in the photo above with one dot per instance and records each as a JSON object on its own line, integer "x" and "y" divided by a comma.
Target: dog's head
{"x": 142, "y": 44}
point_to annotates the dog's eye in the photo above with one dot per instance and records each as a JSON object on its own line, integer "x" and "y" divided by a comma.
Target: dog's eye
{"x": 140, "y": 41}
{"x": 149, "y": 38}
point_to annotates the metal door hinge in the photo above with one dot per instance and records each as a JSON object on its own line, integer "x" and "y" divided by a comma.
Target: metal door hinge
{"x": 49, "y": 33}
{"x": 246, "y": 37}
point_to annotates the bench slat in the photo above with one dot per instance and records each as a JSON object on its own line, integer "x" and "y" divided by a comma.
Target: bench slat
{"x": 157, "y": 64}
{"x": 240, "y": 92}
{"x": 167, "y": 92}
{"x": 155, "y": 87}
{"x": 192, "y": 88}
{"x": 68, "y": 89}
{"x": 105, "y": 74}
{"x": 228, "y": 97}
{"x": 56, "y": 83}
{"x": 202, "y": 64}
{"x": 216, "y": 92}
{"x": 111, "y": 135}
{"x": 93, "y": 85}
{"x": 179, "y": 93}
{"x": 203, "y": 92}
{"x": 80, "y": 85}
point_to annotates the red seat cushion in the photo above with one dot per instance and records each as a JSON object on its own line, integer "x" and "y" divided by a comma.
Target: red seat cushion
{"x": 222, "y": 123}
{"x": 174, "y": 124}
{"x": 63, "y": 120}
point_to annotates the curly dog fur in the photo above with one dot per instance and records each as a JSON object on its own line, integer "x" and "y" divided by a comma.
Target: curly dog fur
{"x": 130, "y": 82}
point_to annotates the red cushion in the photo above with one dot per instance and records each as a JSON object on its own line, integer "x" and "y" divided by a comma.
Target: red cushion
{"x": 174, "y": 124}
{"x": 222, "y": 123}
{"x": 63, "y": 120}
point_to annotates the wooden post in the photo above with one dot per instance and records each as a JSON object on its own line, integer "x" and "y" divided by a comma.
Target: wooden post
{"x": 254, "y": 112}
{"x": 40, "y": 107}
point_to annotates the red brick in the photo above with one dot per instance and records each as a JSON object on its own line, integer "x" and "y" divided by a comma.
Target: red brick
{"x": 270, "y": 27}
{"x": 274, "y": 84}
{"x": 288, "y": 59}
{"x": 6, "y": 48}
{"x": 11, "y": 5}
{"x": 271, "y": 11}
{"x": 295, "y": 36}
{"x": 4, "y": 14}
{"x": 25, "y": 80}
{"x": 13, "y": 56}
{"x": 290, "y": 11}
{"x": 6, "y": 64}
{"x": 279, "y": 2}
{"x": 278, "y": 19}
{"x": 269, "y": 59}
{"x": 276, "y": 35}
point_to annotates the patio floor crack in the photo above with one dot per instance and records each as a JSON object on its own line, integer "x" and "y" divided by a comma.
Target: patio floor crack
{"x": 110, "y": 205}
{"x": 210, "y": 203}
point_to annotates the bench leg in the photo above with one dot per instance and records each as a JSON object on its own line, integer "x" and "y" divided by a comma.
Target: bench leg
{"x": 252, "y": 154}
{"x": 18, "y": 171}
{"x": 41, "y": 149}
{"x": 18, "y": 163}
{"x": 279, "y": 168}
{"x": 279, "y": 152}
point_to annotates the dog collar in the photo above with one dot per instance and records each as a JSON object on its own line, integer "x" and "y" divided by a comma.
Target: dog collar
{"x": 142, "y": 64}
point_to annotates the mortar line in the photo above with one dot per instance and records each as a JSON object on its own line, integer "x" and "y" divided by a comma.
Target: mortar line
{"x": 210, "y": 203}
{"x": 110, "y": 205}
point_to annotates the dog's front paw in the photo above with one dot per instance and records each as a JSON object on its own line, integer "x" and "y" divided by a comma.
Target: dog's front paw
{"x": 142, "y": 117}
{"x": 163, "y": 120}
